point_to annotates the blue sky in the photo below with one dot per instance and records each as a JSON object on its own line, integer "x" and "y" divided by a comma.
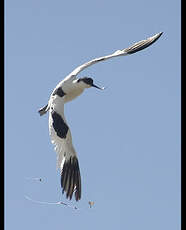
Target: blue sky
{"x": 127, "y": 137}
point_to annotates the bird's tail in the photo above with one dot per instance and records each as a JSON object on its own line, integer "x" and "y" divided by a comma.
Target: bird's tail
{"x": 71, "y": 178}
{"x": 43, "y": 110}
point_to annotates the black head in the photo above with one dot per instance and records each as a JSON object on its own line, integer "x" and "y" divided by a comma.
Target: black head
{"x": 88, "y": 81}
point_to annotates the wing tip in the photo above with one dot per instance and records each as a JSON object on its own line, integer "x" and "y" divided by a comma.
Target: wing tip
{"x": 43, "y": 110}
{"x": 138, "y": 46}
{"x": 157, "y": 36}
{"x": 71, "y": 179}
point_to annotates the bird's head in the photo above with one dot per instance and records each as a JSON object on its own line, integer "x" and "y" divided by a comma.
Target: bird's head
{"x": 88, "y": 82}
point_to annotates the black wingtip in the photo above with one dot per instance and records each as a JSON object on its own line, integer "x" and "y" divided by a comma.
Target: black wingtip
{"x": 157, "y": 36}
{"x": 143, "y": 44}
{"x": 43, "y": 110}
{"x": 71, "y": 179}
{"x": 160, "y": 33}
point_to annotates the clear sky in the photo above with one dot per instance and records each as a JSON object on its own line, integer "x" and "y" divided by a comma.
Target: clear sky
{"x": 127, "y": 137}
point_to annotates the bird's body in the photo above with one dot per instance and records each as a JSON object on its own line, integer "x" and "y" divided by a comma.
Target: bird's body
{"x": 71, "y": 89}
{"x": 67, "y": 90}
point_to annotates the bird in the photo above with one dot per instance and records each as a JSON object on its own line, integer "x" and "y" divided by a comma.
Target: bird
{"x": 91, "y": 203}
{"x": 66, "y": 90}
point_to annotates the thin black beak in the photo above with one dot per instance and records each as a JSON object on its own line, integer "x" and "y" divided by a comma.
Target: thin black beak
{"x": 102, "y": 88}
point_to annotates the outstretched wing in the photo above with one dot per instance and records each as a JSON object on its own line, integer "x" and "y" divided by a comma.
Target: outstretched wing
{"x": 130, "y": 50}
{"x": 66, "y": 156}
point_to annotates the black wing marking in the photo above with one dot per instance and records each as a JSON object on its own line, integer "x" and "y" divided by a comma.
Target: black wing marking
{"x": 59, "y": 125}
{"x": 59, "y": 92}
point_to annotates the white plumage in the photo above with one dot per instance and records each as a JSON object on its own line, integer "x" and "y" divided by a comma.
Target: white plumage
{"x": 68, "y": 89}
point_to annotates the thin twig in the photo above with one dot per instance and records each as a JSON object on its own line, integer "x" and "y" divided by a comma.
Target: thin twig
{"x": 55, "y": 203}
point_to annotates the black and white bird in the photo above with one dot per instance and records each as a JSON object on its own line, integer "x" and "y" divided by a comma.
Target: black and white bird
{"x": 67, "y": 90}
